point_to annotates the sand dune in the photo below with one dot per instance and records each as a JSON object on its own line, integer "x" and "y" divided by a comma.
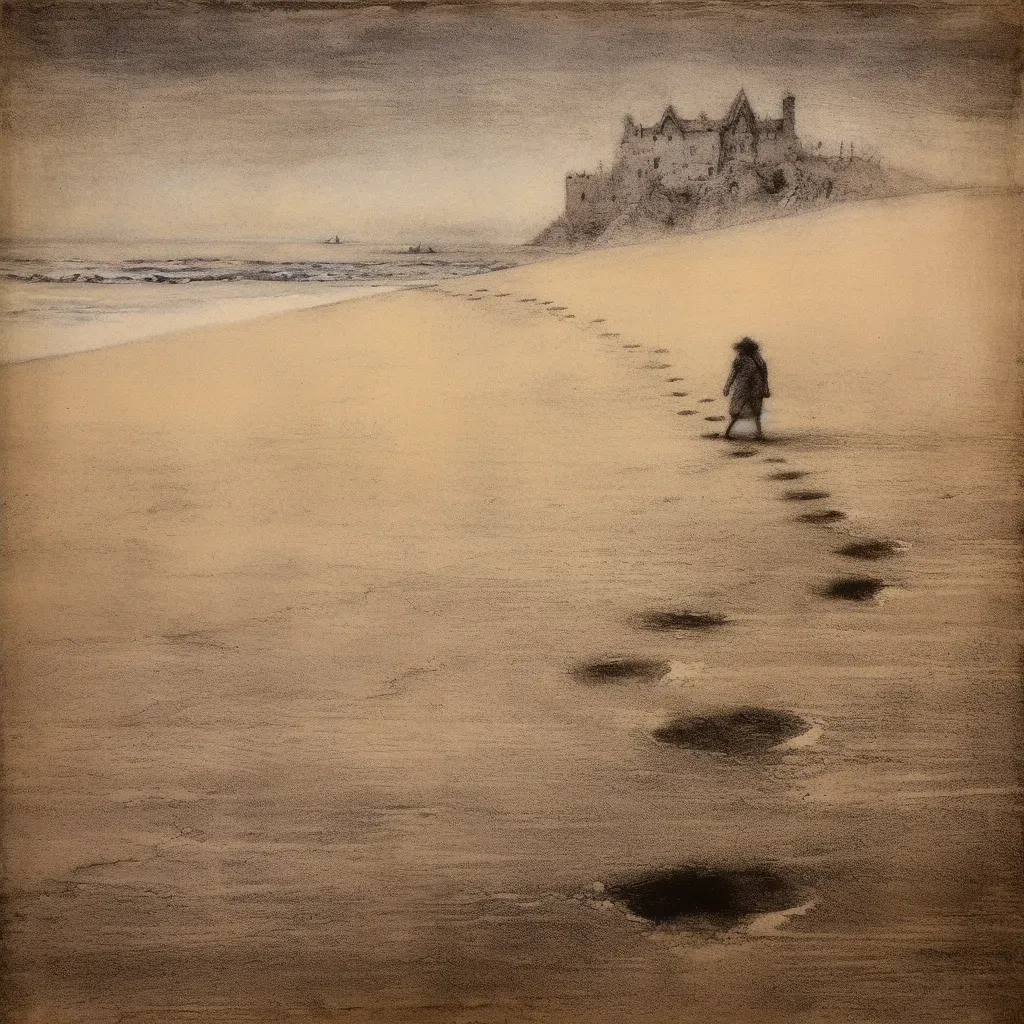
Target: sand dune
{"x": 305, "y": 712}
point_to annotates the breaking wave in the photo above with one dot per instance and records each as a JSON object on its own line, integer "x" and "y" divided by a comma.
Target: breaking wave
{"x": 191, "y": 270}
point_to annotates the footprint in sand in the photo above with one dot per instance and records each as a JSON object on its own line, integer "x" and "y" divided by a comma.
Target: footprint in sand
{"x": 548, "y": 302}
{"x": 569, "y": 316}
{"x": 656, "y": 366}
{"x": 776, "y": 459}
{"x": 481, "y": 289}
{"x": 714, "y": 419}
{"x": 674, "y": 380}
{"x": 624, "y": 346}
{"x": 706, "y": 400}
{"x": 502, "y": 295}
{"x": 854, "y": 588}
{"x": 822, "y": 517}
{"x": 622, "y": 670}
{"x": 680, "y": 394}
{"x": 789, "y": 474}
{"x": 743, "y": 453}
{"x": 477, "y": 298}
{"x": 672, "y": 621}
{"x": 599, "y": 320}
{"x": 723, "y": 897}
{"x": 612, "y": 334}
{"x": 659, "y": 351}
{"x": 559, "y": 307}
{"x": 687, "y": 412}
{"x": 527, "y": 300}
{"x": 804, "y": 495}
{"x": 745, "y": 731}
{"x": 870, "y": 550}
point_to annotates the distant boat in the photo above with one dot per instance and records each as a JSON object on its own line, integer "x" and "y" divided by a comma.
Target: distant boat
{"x": 419, "y": 248}
{"x": 333, "y": 241}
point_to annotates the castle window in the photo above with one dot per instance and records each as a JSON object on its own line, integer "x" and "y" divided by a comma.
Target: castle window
{"x": 657, "y": 160}
{"x": 583, "y": 197}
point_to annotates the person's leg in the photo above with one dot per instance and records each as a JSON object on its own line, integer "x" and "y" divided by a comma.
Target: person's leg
{"x": 757, "y": 425}
{"x": 732, "y": 423}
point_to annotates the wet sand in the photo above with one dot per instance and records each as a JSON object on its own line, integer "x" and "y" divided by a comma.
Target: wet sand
{"x": 338, "y": 646}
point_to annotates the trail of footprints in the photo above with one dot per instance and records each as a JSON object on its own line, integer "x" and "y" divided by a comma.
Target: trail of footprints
{"x": 702, "y": 896}
{"x": 846, "y": 587}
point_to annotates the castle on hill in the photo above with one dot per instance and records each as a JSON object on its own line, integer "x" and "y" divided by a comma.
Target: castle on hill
{"x": 678, "y": 153}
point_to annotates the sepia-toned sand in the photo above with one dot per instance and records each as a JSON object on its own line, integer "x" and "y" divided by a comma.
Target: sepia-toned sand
{"x": 297, "y": 722}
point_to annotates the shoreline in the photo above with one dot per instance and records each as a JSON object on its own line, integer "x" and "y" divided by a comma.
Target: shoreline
{"x": 194, "y": 320}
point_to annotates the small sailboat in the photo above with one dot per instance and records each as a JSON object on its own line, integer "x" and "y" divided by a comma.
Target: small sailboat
{"x": 336, "y": 240}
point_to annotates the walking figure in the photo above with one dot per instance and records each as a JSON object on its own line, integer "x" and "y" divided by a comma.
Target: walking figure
{"x": 748, "y": 382}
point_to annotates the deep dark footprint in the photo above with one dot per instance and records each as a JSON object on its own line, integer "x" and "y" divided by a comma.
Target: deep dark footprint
{"x": 745, "y": 731}
{"x": 674, "y": 380}
{"x": 527, "y": 300}
{"x": 624, "y": 346}
{"x": 805, "y": 495}
{"x": 702, "y": 621}
{"x": 713, "y": 435}
{"x": 680, "y": 394}
{"x": 854, "y": 588}
{"x": 789, "y": 474}
{"x": 720, "y": 896}
{"x": 870, "y": 550}
{"x": 822, "y": 516}
{"x": 687, "y": 412}
{"x": 714, "y": 419}
{"x": 704, "y": 401}
{"x": 622, "y": 670}
{"x": 743, "y": 453}
{"x": 775, "y": 459}
{"x": 548, "y": 302}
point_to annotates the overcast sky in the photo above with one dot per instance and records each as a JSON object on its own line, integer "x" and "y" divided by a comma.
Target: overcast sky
{"x": 295, "y": 118}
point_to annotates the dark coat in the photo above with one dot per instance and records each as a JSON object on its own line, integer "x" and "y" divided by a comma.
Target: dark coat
{"x": 748, "y": 383}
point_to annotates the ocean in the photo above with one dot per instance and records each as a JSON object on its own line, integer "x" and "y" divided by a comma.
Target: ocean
{"x": 59, "y": 297}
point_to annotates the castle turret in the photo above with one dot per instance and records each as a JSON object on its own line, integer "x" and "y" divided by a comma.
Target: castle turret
{"x": 789, "y": 117}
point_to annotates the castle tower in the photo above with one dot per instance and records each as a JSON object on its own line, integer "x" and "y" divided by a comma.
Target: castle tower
{"x": 789, "y": 116}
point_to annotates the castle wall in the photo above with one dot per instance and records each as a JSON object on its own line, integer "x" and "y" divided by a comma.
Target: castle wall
{"x": 776, "y": 149}
{"x": 739, "y": 142}
{"x": 590, "y": 197}
{"x": 692, "y": 156}
{"x": 776, "y": 140}
{"x": 673, "y": 157}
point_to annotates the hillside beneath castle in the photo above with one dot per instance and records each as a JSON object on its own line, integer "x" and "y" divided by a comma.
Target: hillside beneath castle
{"x": 748, "y": 193}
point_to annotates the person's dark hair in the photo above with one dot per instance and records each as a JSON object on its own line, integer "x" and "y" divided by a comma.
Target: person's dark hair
{"x": 747, "y": 346}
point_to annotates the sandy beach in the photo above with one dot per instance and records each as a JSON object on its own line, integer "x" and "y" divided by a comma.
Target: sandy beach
{"x": 304, "y": 717}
